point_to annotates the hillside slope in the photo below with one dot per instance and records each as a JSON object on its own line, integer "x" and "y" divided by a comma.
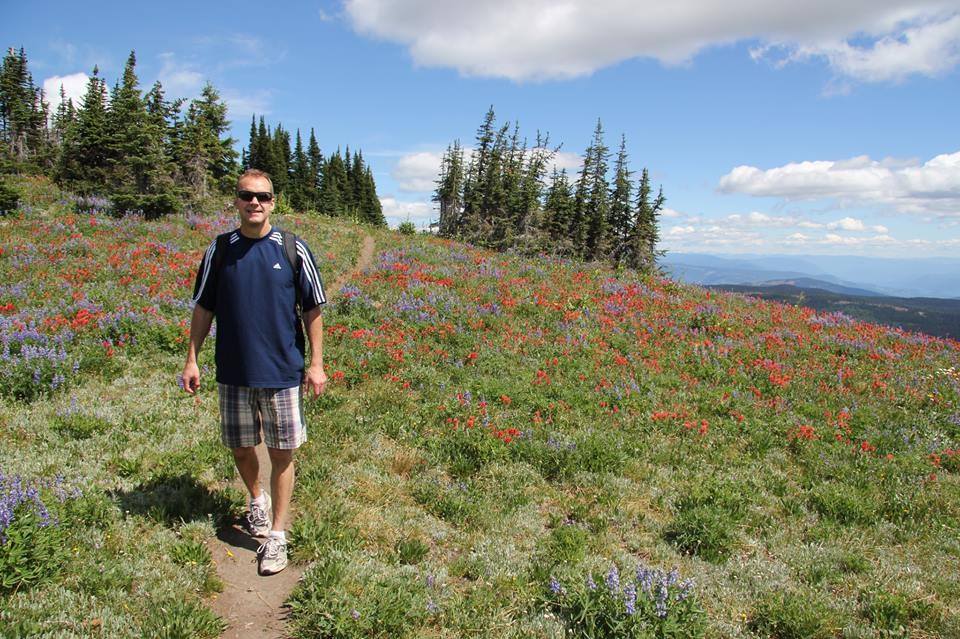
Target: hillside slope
{"x": 500, "y": 433}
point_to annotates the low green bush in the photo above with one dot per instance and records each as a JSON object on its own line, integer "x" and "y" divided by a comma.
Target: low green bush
{"x": 645, "y": 603}
{"x": 785, "y": 615}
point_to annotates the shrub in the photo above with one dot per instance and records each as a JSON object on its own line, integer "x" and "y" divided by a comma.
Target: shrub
{"x": 842, "y": 504}
{"x": 706, "y": 521}
{"x": 704, "y": 531}
{"x": 789, "y": 616}
{"x": 314, "y": 535}
{"x": 182, "y": 620}
{"x": 407, "y": 228}
{"x": 32, "y": 547}
{"x": 649, "y": 603}
{"x": 891, "y": 610}
{"x": 9, "y": 198}
{"x": 329, "y": 602}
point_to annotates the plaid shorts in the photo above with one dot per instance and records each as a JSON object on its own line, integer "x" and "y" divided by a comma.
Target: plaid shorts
{"x": 279, "y": 411}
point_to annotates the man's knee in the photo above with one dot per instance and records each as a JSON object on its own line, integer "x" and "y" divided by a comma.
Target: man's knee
{"x": 280, "y": 457}
{"x": 244, "y": 452}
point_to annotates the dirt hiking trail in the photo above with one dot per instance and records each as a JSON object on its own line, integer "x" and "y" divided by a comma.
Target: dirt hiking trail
{"x": 253, "y": 606}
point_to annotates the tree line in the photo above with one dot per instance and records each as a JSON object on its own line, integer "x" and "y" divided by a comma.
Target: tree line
{"x": 498, "y": 196}
{"x": 150, "y": 154}
{"x": 342, "y": 183}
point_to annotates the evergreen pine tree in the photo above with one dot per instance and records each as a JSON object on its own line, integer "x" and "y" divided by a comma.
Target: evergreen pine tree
{"x": 24, "y": 138}
{"x": 62, "y": 119}
{"x": 314, "y": 169}
{"x": 449, "y": 192}
{"x": 373, "y": 208}
{"x": 280, "y": 168}
{"x": 333, "y": 184}
{"x": 253, "y": 160}
{"x": 645, "y": 233}
{"x": 207, "y": 160}
{"x": 598, "y": 206}
{"x": 531, "y": 184}
{"x": 559, "y": 209}
{"x": 139, "y": 172}
{"x": 83, "y": 161}
{"x": 621, "y": 205}
{"x": 299, "y": 177}
{"x": 581, "y": 202}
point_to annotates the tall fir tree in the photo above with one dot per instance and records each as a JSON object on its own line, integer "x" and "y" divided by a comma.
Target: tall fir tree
{"x": 206, "y": 158}
{"x": 83, "y": 163}
{"x": 532, "y": 184}
{"x": 620, "y": 219}
{"x": 580, "y": 216}
{"x": 280, "y": 168}
{"x": 373, "y": 209}
{"x": 299, "y": 177}
{"x": 24, "y": 135}
{"x": 598, "y": 206}
{"x": 140, "y": 174}
{"x": 449, "y": 192}
{"x": 63, "y": 119}
{"x": 314, "y": 172}
{"x": 558, "y": 212}
{"x": 645, "y": 233}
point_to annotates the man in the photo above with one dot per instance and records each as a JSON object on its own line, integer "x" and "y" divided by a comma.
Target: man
{"x": 251, "y": 288}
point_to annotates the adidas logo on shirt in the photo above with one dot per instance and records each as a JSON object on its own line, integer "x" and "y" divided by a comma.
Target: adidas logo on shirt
{"x": 276, "y": 266}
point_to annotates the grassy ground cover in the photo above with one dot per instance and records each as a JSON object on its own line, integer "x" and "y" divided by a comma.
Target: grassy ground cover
{"x": 111, "y": 478}
{"x": 510, "y": 447}
{"x": 519, "y": 447}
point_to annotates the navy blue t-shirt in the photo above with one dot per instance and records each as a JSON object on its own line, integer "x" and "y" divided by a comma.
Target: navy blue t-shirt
{"x": 259, "y": 338}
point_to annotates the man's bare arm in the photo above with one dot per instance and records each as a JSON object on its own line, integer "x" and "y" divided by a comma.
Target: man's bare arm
{"x": 315, "y": 378}
{"x": 200, "y": 323}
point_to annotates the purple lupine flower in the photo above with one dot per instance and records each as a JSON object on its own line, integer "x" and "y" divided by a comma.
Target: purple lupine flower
{"x": 613, "y": 580}
{"x": 556, "y": 587}
{"x": 630, "y": 598}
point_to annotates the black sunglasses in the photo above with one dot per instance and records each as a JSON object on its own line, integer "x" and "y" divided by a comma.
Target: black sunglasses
{"x": 262, "y": 196}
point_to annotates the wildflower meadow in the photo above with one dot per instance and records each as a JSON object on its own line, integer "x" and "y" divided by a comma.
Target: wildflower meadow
{"x": 511, "y": 446}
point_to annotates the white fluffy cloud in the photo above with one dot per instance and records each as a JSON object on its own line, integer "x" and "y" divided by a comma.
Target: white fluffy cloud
{"x": 396, "y": 211}
{"x": 931, "y": 188}
{"x": 178, "y": 79}
{"x": 869, "y": 40}
{"x": 928, "y": 48}
{"x": 417, "y": 172}
{"x": 74, "y": 86}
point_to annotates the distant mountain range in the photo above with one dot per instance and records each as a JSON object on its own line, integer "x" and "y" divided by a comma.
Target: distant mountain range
{"x": 846, "y": 275}
{"x": 933, "y": 316}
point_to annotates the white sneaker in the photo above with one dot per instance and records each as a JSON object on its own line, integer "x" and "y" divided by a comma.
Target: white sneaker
{"x": 258, "y": 518}
{"x": 272, "y": 556}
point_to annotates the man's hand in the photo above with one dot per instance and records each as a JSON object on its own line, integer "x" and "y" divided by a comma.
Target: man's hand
{"x": 190, "y": 377}
{"x": 315, "y": 380}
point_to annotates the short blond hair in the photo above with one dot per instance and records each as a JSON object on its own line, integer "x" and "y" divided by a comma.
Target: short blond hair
{"x": 255, "y": 173}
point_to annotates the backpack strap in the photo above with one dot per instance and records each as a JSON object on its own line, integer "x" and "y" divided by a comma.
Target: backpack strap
{"x": 220, "y": 254}
{"x": 295, "y": 261}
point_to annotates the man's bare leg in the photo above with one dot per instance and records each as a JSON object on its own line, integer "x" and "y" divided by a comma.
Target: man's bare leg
{"x": 281, "y": 485}
{"x": 249, "y": 468}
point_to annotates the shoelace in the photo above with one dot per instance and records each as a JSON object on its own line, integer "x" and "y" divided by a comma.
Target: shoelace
{"x": 271, "y": 548}
{"x": 257, "y": 516}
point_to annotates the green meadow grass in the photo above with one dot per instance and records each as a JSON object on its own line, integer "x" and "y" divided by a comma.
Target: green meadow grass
{"x": 500, "y": 433}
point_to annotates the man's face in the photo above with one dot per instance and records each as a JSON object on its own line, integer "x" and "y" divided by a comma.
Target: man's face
{"x": 254, "y": 212}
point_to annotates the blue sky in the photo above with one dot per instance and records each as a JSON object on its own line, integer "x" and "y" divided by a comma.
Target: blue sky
{"x": 773, "y": 126}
